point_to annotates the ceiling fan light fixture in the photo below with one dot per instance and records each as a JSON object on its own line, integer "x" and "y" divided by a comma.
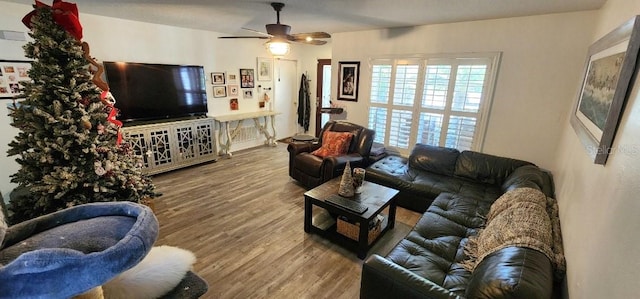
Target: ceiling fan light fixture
{"x": 278, "y": 47}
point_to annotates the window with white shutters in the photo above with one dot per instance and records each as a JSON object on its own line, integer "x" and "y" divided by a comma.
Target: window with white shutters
{"x": 440, "y": 101}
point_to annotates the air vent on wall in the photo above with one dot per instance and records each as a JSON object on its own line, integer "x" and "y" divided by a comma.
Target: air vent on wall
{"x": 12, "y": 35}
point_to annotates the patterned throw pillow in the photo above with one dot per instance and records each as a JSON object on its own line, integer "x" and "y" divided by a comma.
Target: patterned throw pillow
{"x": 334, "y": 144}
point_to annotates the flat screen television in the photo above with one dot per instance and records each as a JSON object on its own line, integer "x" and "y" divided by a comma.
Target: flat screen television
{"x": 146, "y": 91}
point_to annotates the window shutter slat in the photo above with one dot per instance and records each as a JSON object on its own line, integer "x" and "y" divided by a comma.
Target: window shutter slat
{"x": 468, "y": 88}
{"x": 378, "y": 123}
{"x": 380, "y": 83}
{"x": 460, "y": 132}
{"x": 406, "y": 81}
{"x": 400, "y": 129}
{"x": 430, "y": 128}
{"x": 436, "y": 86}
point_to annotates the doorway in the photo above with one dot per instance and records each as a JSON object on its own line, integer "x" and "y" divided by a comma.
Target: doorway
{"x": 323, "y": 93}
{"x": 285, "y": 96}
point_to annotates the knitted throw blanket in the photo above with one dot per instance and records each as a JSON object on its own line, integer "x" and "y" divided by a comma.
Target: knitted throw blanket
{"x": 522, "y": 217}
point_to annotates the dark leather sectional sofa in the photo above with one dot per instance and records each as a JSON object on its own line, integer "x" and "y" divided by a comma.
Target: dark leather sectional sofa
{"x": 456, "y": 189}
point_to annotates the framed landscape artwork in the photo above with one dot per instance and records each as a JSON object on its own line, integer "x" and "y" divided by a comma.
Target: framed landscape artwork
{"x": 348, "y": 77}
{"x": 12, "y": 72}
{"x": 610, "y": 67}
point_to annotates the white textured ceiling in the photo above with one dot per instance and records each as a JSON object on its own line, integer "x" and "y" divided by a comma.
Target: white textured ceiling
{"x": 229, "y": 16}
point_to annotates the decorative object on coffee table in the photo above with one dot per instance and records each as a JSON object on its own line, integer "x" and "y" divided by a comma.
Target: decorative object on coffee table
{"x": 358, "y": 179}
{"x": 346, "y": 184}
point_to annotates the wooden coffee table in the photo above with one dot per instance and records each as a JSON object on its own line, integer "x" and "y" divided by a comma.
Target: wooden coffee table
{"x": 375, "y": 197}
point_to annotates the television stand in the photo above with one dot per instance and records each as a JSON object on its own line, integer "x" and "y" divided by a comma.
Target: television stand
{"x": 169, "y": 145}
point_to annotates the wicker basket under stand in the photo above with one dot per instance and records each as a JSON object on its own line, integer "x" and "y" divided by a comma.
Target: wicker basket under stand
{"x": 352, "y": 230}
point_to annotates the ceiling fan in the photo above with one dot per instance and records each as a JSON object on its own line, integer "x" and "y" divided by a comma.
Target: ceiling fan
{"x": 282, "y": 33}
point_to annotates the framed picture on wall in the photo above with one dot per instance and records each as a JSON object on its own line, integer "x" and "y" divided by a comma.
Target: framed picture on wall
{"x": 248, "y": 94}
{"x": 12, "y": 73}
{"x": 232, "y": 78}
{"x": 610, "y": 67}
{"x": 246, "y": 78}
{"x": 232, "y": 90}
{"x": 348, "y": 79}
{"x": 265, "y": 69}
{"x": 233, "y": 104}
{"x": 217, "y": 78}
{"x": 219, "y": 91}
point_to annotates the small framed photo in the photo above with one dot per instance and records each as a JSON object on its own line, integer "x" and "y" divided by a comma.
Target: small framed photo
{"x": 219, "y": 91}
{"x": 248, "y": 94}
{"x": 233, "y": 104}
{"x": 217, "y": 78}
{"x": 232, "y": 90}
{"x": 349, "y": 73}
{"x": 232, "y": 78}
{"x": 265, "y": 69}
{"x": 12, "y": 73}
{"x": 247, "y": 79}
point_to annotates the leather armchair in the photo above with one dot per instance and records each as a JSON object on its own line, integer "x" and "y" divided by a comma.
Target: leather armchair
{"x": 312, "y": 171}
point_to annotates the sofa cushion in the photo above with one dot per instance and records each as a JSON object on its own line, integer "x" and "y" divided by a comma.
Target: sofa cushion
{"x": 334, "y": 144}
{"x": 418, "y": 188}
{"x": 435, "y": 246}
{"x": 440, "y": 160}
{"x": 486, "y": 168}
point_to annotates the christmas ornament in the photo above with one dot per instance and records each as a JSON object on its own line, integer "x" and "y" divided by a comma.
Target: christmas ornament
{"x": 65, "y": 14}
{"x": 346, "y": 183}
{"x": 100, "y": 129}
{"x": 86, "y": 124}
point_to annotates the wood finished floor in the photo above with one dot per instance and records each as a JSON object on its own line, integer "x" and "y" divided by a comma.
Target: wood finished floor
{"x": 243, "y": 219}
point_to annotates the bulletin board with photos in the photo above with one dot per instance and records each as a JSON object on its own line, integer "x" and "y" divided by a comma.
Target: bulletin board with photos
{"x": 12, "y": 72}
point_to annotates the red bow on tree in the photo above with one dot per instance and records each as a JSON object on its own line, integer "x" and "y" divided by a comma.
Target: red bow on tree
{"x": 65, "y": 14}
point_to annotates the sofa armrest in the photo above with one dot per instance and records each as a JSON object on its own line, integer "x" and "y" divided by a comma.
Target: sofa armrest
{"x": 512, "y": 272}
{"x": 382, "y": 278}
{"x": 296, "y": 148}
{"x": 530, "y": 176}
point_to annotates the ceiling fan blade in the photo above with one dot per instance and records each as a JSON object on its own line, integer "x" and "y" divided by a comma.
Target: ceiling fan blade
{"x": 312, "y": 35}
{"x": 260, "y": 37}
{"x": 256, "y": 31}
{"x": 316, "y": 42}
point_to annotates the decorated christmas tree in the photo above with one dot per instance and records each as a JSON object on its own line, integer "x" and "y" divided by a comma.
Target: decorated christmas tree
{"x": 69, "y": 145}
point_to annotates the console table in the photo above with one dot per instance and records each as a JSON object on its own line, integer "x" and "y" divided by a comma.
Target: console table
{"x": 225, "y": 121}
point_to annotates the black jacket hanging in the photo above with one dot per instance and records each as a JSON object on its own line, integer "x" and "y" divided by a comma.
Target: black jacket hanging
{"x": 304, "y": 104}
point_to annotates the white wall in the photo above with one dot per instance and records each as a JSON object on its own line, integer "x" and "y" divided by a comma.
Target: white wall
{"x": 113, "y": 39}
{"x": 599, "y": 205}
{"x": 541, "y": 55}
